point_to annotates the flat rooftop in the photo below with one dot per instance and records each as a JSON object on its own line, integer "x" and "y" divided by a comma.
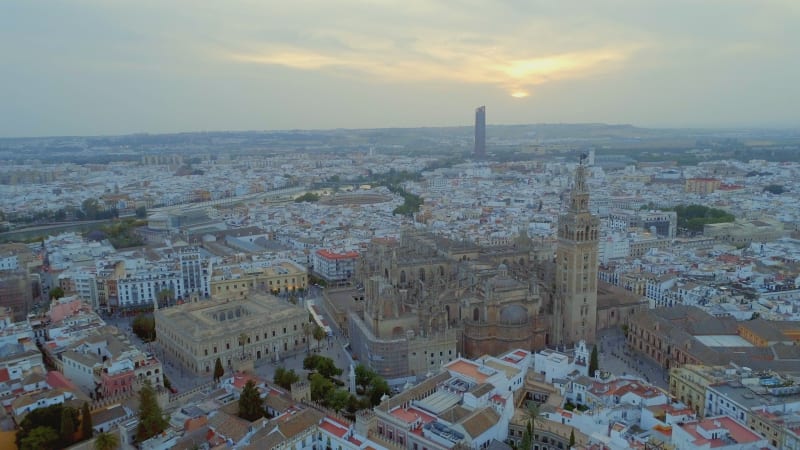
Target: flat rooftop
{"x": 469, "y": 369}
{"x": 724, "y": 340}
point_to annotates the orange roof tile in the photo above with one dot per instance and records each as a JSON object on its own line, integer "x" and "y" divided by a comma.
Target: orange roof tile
{"x": 468, "y": 369}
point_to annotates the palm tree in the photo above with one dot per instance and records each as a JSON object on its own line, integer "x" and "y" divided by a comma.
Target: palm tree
{"x": 533, "y": 418}
{"x": 319, "y": 335}
{"x": 307, "y": 330}
{"x": 242, "y": 341}
{"x": 106, "y": 441}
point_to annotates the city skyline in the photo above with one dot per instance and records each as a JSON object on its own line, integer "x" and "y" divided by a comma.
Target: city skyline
{"x": 98, "y": 68}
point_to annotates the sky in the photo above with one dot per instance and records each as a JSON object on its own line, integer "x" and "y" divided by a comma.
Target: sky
{"x": 104, "y": 67}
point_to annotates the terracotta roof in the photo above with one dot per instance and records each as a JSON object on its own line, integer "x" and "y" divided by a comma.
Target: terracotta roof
{"x": 292, "y": 424}
{"x": 333, "y": 428}
{"x": 195, "y": 423}
{"x": 478, "y": 423}
{"x": 468, "y": 369}
{"x": 229, "y": 426}
{"x": 265, "y": 439}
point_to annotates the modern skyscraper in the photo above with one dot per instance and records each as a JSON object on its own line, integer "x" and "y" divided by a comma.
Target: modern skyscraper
{"x": 575, "y": 307}
{"x": 480, "y": 132}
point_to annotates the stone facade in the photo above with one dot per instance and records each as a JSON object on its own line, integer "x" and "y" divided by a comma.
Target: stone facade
{"x": 196, "y": 334}
{"x": 575, "y": 309}
{"x": 426, "y": 298}
{"x": 235, "y": 283}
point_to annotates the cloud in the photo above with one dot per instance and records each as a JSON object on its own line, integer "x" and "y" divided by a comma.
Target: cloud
{"x": 94, "y": 66}
{"x": 501, "y": 62}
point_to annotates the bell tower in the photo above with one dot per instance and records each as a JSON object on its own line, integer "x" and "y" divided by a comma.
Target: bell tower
{"x": 575, "y": 303}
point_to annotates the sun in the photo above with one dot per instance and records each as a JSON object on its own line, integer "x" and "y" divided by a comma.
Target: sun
{"x": 519, "y": 94}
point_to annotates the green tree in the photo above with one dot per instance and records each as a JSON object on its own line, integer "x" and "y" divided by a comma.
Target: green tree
{"x": 285, "y": 378}
{"x": 86, "y": 422}
{"x": 151, "y": 419}
{"x": 144, "y": 325}
{"x": 219, "y": 371}
{"x": 319, "y": 335}
{"x": 242, "y": 342}
{"x": 68, "y": 426}
{"x": 776, "y": 189}
{"x": 594, "y": 363}
{"x": 327, "y": 368}
{"x": 164, "y": 296}
{"x": 321, "y": 387}
{"x": 572, "y": 438}
{"x": 40, "y": 438}
{"x": 533, "y": 418}
{"x": 364, "y": 376}
{"x": 310, "y": 362}
{"x": 307, "y": 197}
{"x": 250, "y": 404}
{"x": 56, "y": 293}
{"x": 338, "y": 399}
{"x": 527, "y": 437}
{"x": 323, "y": 365}
{"x": 49, "y": 417}
{"x": 377, "y": 388}
{"x": 90, "y": 208}
{"x": 695, "y": 217}
{"x": 106, "y": 441}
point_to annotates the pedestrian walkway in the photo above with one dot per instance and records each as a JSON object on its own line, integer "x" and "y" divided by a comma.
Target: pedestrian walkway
{"x": 616, "y": 357}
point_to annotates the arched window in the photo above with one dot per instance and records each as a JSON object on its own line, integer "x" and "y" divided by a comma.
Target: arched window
{"x": 421, "y": 274}
{"x": 475, "y": 314}
{"x": 402, "y": 276}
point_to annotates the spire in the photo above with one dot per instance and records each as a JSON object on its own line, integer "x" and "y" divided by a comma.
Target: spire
{"x": 579, "y": 197}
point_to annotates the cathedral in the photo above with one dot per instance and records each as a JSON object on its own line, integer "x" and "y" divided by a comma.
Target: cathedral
{"x": 428, "y": 299}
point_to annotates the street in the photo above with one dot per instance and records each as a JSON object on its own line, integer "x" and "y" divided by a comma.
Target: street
{"x": 331, "y": 347}
{"x": 617, "y": 358}
{"x": 178, "y": 376}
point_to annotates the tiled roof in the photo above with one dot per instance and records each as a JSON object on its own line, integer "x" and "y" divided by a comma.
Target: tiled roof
{"x": 229, "y": 426}
{"x": 478, "y": 423}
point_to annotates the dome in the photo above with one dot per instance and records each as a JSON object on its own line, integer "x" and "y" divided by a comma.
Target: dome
{"x": 502, "y": 271}
{"x": 513, "y": 314}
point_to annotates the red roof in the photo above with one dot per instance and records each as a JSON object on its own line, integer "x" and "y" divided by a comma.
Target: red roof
{"x": 737, "y": 433}
{"x": 327, "y": 254}
{"x": 4, "y": 376}
{"x": 57, "y": 380}
{"x": 333, "y": 429}
{"x": 240, "y": 379}
{"x": 192, "y": 424}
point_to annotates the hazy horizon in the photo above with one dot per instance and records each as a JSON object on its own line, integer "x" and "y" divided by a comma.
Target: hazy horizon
{"x": 97, "y": 68}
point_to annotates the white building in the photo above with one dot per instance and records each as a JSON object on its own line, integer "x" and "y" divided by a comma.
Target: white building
{"x": 719, "y": 433}
{"x": 554, "y": 364}
{"x": 334, "y": 266}
{"x": 9, "y": 262}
